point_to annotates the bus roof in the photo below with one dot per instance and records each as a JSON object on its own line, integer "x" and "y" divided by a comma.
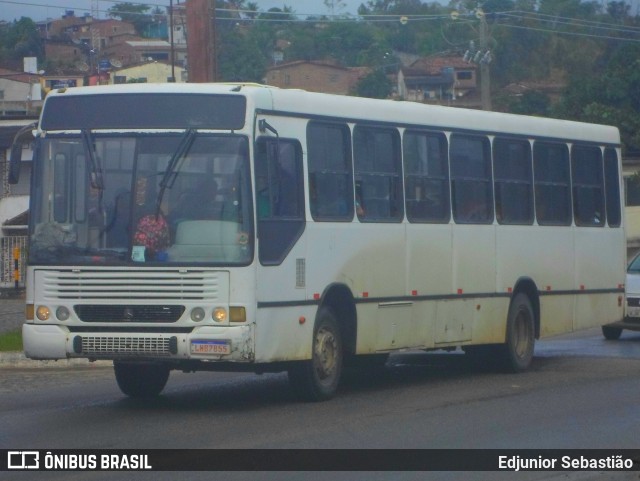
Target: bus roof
{"x": 406, "y": 113}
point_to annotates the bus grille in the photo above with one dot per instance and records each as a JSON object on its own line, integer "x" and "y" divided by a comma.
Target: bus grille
{"x": 134, "y": 346}
{"x": 128, "y": 313}
{"x": 133, "y": 285}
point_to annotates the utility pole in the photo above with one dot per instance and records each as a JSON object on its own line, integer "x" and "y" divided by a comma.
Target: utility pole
{"x": 201, "y": 44}
{"x": 485, "y": 76}
{"x": 173, "y": 52}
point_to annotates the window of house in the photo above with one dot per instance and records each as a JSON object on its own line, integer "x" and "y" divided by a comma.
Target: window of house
{"x": 378, "y": 172}
{"x": 552, "y": 183}
{"x": 471, "y": 181}
{"x": 588, "y": 185}
{"x": 330, "y": 171}
{"x": 464, "y": 75}
{"x": 513, "y": 174}
{"x": 119, "y": 79}
{"x": 426, "y": 176}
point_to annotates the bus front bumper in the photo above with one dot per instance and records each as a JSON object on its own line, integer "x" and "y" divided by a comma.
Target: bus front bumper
{"x": 207, "y": 343}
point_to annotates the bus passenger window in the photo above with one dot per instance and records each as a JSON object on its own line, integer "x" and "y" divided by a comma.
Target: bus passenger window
{"x": 378, "y": 171}
{"x": 612, "y": 187}
{"x": 426, "y": 177}
{"x": 330, "y": 172}
{"x": 552, "y": 183}
{"x": 279, "y": 197}
{"x": 512, "y": 168}
{"x": 471, "y": 183}
{"x": 588, "y": 186}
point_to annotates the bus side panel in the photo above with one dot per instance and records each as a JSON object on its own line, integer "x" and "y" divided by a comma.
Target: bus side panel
{"x": 598, "y": 268}
{"x": 280, "y": 334}
{"x": 370, "y": 260}
{"x": 544, "y": 255}
{"x": 429, "y": 260}
{"x": 473, "y": 273}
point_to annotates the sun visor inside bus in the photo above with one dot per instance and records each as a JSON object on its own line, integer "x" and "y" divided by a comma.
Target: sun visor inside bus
{"x": 144, "y": 111}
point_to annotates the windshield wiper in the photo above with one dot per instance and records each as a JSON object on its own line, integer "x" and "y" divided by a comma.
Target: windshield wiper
{"x": 95, "y": 168}
{"x": 171, "y": 173}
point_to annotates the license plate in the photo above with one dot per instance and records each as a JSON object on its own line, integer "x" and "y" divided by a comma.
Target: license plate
{"x": 222, "y": 347}
{"x": 633, "y": 311}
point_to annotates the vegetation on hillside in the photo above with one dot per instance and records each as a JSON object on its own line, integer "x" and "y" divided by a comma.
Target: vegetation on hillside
{"x": 590, "y": 47}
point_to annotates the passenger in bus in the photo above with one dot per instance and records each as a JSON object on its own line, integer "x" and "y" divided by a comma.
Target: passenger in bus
{"x": 118, "y": 218}
{"x": 359, "y": 207}
{"x": 473, "y": 210}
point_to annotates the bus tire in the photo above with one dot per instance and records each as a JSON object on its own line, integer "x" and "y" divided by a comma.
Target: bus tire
{"x": 521, "y": 337}
{"x": 317, "y": 379}
{"x": 611, "y": 333}
{"x": 141, "y": 380}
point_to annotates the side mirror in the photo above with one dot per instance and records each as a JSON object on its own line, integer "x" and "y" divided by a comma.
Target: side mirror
{"x": 25, "y": 134}
{"x": 14, "y": 162}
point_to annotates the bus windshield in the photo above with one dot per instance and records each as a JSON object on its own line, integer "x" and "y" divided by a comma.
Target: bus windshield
{"x": 145, "y": 198}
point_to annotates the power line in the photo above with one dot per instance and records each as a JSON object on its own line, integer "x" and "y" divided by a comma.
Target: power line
{"x": 251, "y": 16}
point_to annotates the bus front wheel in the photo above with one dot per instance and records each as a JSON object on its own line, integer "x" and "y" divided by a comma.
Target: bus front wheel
{"x": 520, "y": 340}
{"x": 611, "y": 333}
{"x": 140, "y": 380}
{"x": 318, "y": 378}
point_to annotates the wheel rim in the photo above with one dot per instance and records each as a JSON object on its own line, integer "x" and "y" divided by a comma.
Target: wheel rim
{"x": 521, "y": 335}
{"x": 325, "y": 354}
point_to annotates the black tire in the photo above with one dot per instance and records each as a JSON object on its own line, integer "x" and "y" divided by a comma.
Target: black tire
{"x": 139, "y": 379}
{"x": 517, "y": 351}
{"x": 318, "y": 379}
{"x": 611, "y": 333}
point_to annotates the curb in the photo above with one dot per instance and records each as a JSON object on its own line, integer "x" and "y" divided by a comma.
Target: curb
{"x": 12, "y": 293}
{"x": 17, "y": 360}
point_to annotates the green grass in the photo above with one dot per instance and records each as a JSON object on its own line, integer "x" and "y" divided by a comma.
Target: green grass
{"x": 11, "y": 341}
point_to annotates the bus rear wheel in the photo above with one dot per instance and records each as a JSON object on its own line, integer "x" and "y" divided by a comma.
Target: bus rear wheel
{"x": 520, "y": 341}
{"x": 139, "y": 379}
{"x": 318, "y": 378}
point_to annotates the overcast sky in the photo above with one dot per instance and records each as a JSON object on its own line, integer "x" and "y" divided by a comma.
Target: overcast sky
{"x": 43, "y": 9}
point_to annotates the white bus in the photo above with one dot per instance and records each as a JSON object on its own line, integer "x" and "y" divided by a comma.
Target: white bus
{"x": 243, "y": 227}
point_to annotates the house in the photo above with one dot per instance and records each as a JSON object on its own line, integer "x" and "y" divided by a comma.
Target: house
{"x": 14, "y": 202}
{"x": 20, "y": 93}
{"x": 63, "y": 80}
{"x": 315, "y": 76}
{"x": 152, "y": 72}
{"x": 439, "y": 80}
{"x": 132, "y": 52}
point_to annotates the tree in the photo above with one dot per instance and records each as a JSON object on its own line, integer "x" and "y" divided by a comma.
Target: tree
{"x": 532, "y": 102}
{"x": 610, "y": 97}
{"x": 334, "y": 6}
{"x": 376, "y": 85}
{"x": 21, "y": 39}
{"x": 132, "y": 13}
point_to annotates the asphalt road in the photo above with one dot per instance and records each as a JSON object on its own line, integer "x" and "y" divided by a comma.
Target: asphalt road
{"x": 582, "y": 392}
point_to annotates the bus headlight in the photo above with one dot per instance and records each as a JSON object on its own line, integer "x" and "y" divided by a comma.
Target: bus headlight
{"x": 219, "y": 314}
{"x": 197, "y": 314}
{"x": 43, "y": 313}
{"x": 62, "y": 313}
